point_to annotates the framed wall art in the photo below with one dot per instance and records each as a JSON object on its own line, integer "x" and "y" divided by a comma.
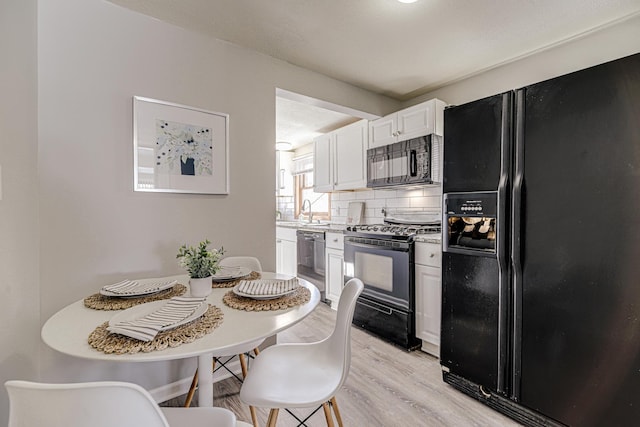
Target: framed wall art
{"x": 179, "y": 149}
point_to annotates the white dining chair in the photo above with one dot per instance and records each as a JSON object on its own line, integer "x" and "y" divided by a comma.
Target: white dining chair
{"x": 250, "y": 262}
{"x": 240, "y": 351}
{"x": 101, "y": 404}
{"x": 301, "y": 375}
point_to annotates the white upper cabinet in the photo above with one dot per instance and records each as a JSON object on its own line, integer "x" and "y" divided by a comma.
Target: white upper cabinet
{"x": 349, "y": 167}
{"x": 323, "y": 163}
{"x": 422, "y": 119}
{"x": 284, "y": 178}
{"x": 383, "y": 131}
{"x": 340, "y": 158}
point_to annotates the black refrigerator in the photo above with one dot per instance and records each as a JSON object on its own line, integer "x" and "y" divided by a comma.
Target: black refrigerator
{"x": 541, "y": 249}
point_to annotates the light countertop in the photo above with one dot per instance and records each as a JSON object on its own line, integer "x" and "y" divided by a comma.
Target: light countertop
{"x": 323, "y": 226}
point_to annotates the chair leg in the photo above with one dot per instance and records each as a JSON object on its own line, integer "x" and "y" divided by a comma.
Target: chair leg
{"x": 192, "y": 390}
{"x": 243, "y": 365}
{"x": 334, "y": 405}
{"x": 327, "y": 414}
{"x": 273, "y": 417}
{"x": 256, "y": 351}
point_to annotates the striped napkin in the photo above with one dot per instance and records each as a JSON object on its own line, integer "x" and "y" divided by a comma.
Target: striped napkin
{"x": 267, "y": 287}
{"x": 132, "y": 287}
{"x": 176, "y": 310}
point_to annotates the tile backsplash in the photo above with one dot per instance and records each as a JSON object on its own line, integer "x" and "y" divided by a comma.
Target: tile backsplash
{"x": 426, "y": 198}
{"x": 285, "y": 207}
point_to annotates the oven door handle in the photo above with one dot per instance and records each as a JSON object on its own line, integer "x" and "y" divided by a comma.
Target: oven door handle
{"x": 402, "y": 247}
{"x": 388, "y": 311}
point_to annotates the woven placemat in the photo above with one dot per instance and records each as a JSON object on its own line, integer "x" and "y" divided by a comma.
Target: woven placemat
{"x": 103, "y": 302}
{"x": 231, "y": 283}
{"x": 301, "y": 296}
{"x": 107, "y": 342}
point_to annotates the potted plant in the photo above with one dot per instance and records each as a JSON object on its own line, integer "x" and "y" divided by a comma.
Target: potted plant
{"x": 201, "y": 263}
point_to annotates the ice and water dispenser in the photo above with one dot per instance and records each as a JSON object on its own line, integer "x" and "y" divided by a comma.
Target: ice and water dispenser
{"x": 470, "y": 219}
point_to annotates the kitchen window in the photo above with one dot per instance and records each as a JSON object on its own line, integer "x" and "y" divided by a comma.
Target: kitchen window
{"x": 320, "y": 202}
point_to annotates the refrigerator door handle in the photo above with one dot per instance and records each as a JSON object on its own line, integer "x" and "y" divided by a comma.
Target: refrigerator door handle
{"x": 501, "y": 242}
{"x": 516, "y": 242}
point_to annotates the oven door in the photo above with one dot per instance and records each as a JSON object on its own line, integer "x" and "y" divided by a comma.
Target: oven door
{"x": 385, "y": 268}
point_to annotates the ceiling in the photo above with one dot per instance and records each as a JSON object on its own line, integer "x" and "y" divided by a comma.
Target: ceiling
{"x": 395, "y": 49}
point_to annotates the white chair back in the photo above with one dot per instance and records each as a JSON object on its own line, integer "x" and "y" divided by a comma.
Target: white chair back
{"x": 242, "y": 261}
{"x": 339, "y": 342}
{"x": 95, "y": 404}
{"x": 303, "y": 375}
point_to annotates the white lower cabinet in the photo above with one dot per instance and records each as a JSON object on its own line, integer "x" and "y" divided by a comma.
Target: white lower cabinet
{"x": 334, "y": 267}
{"x": 428, "y": 295}
{"x": 286, "y": 251}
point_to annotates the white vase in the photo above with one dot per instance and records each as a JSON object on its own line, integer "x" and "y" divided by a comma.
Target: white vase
{"x": 200, "y": 287}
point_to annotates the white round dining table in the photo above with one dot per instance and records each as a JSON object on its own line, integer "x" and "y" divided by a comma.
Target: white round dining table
{"x": 68, "y": 330}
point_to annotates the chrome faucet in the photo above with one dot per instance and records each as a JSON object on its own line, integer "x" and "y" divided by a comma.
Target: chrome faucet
{"x": 306, "y": 202}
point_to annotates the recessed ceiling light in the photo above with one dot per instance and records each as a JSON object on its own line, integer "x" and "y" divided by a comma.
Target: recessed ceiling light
{"x": 283, "y": 146}
{"x": 407, "y": 1}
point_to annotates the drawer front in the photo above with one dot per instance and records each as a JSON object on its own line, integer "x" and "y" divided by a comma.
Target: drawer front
{"x": 334, "y": 241}
{"x": 429, "y": 254}
{"x": 286, "y": 233}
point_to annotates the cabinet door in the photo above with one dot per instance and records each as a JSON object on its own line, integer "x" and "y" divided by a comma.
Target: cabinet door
{"x": 416, "y": 121}
{"x": 350, "y": 146}
{"x": 284, "y": 177}
{"x": 286, "y": 257}
{"x": 334, "y": 275}
{"x": 279, "y": 256}
{"x": 428, "y": 306}
{"x": 290, "y": 255}
{"x": 322, "y": 164}
{"x": 383, "y": 131}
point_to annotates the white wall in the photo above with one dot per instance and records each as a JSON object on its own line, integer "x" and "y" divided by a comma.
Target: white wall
{"x": 70, "y": 221}
{"x": 19, "y": 253}
{"x": 606, "y": 44}
{"x": 93, "y": 57}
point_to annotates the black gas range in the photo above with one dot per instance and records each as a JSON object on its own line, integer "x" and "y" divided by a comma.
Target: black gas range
{"x": 394, "y": 231}
{"x": 382, "y": 256}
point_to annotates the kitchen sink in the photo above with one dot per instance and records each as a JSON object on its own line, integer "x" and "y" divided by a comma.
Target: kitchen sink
{"x": 316, "y": 225}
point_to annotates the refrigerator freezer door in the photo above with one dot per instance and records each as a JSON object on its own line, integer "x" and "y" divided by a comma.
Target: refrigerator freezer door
{"x": 472, "y": 145}
{"x": 578, "y": 293}
{"x": 475, "y": 277}
{"x": 470, "y": 307}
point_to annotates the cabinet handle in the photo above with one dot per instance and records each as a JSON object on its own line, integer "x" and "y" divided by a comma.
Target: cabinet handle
{"x": 278, "y": 241}
{"x": 335, "y": 240}
{"x": 432, "y": 255}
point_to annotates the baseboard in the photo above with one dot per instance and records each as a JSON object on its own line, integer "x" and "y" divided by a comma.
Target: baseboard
{"x": 180, "y": 387}
{"x": 430, "y": 348}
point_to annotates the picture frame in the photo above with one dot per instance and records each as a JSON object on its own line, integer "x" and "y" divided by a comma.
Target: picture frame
{"x": 179, "y": 149}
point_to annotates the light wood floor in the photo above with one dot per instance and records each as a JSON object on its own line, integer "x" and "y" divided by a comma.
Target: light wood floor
{"x": 386, "y": 387}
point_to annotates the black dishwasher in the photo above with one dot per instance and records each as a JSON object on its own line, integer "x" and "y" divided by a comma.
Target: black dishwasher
{"x": 311, "y": 258}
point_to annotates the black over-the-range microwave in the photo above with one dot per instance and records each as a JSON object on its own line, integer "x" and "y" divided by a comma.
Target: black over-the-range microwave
{"x": 402, "y": 163}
